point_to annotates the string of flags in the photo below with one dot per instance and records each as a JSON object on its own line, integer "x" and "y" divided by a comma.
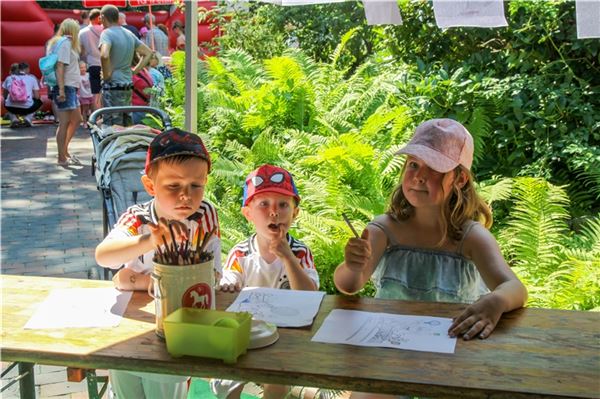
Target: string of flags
{"x": 467, "y": 13}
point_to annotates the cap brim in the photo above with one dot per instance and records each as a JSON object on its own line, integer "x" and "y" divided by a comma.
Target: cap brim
{"x": 434, "y": 159}
{"x": 272, "y": 190}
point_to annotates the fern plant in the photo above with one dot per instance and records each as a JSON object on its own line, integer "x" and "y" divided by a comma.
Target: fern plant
{"x": 337, "y": 132}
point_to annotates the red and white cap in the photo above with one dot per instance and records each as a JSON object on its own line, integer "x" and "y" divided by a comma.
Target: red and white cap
{"x": 269, "y": 179}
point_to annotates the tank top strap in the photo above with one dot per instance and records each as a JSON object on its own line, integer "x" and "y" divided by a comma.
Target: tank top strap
{"x": 467, "y": 229}
{"x": 390, "y": 237}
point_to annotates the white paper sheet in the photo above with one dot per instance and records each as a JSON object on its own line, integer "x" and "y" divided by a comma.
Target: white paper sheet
{"x": 588, "y": 18}
{"x": 380, "y": 12}
{"x": 80, "y": 307}
{"x": 476, "y": 13}
{"x": 284, "y": 308}
{"x": 419, "y": 333}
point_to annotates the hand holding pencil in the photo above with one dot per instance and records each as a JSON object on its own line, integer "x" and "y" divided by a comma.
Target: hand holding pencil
{"x": 357, "y": 252}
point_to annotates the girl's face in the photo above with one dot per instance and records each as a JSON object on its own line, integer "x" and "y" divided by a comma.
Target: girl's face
{"x": 423, "y": 186}
{"x": 82, "y": 69}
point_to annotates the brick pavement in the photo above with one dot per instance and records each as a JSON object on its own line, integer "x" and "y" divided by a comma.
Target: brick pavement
{"x": 51, "y": 221}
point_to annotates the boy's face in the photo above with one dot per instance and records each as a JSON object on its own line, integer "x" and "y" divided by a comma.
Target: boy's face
{"x": 271, "y": 214}
{"x": 177, "y": 188}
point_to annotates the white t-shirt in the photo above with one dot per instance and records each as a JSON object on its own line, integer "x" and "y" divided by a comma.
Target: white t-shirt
{"x": 31, "y": 84}
{"x": 134, "y": 221}
{"x": 85, "y": 90}
{"x": 70, "y": 58}
{"x": 245, "y": 266}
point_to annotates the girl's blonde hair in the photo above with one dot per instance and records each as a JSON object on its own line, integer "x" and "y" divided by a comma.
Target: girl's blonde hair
{"x": 461, "y": 205}
{"x": 68, "y": 27}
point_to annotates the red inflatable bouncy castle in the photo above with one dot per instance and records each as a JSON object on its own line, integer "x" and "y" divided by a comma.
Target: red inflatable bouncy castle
{"x": 26, "y": 27}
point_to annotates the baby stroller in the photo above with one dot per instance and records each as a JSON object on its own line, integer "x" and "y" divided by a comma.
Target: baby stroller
{"x": 118, "y": 161}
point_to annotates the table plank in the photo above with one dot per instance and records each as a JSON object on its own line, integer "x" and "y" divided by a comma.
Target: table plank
{"x": 532, "y": 353}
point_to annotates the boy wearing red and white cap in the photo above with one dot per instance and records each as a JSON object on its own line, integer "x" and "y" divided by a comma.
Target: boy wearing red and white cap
{"x": 270, "y": 257}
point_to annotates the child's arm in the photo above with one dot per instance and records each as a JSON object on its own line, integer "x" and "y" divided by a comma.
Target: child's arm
{"x": 508, "y": 293}
{"x": 113, "y": 252}
{"x": 361, "y": 256}
{"x": 299, "y": 280}
{"x": 130, "y": 280}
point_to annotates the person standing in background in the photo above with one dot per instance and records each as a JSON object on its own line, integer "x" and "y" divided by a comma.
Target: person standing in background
{"x": 64, "y": 94}
{"x": 85, "y": 93}
{"x": 142, "y": 91}
{"x": 179, "y": 30}
{"x": 130, "y": 28}
{"x": 85, "y": 19}
{"x": 156, "y": 38}
{"x": 117, "y": 48}
{"x": 89, "y": 38}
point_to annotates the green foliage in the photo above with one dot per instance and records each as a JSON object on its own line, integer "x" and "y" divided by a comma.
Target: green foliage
{"x": 529, "y": 95}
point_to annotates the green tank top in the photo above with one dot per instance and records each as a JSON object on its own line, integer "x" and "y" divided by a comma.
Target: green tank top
{"x": 417, "y": 274}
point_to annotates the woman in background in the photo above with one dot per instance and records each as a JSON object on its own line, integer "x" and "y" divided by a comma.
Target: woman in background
{"x": 64, "y": 94}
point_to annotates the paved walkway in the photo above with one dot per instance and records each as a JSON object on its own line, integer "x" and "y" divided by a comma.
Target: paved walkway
{"x": 51, "y": 216}
{"x": 51, "y": 221}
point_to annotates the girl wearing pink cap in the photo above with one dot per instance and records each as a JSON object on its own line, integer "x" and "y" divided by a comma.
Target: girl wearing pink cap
{"x": 433, "y": 243}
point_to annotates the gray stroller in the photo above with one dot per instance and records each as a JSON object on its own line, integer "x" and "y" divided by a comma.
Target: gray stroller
{"x": 118, "y": 161}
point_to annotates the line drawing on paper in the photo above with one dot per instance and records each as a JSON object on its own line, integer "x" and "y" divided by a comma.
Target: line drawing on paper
{"x": 261, "y": 306}
{"x": 384, "y": 330}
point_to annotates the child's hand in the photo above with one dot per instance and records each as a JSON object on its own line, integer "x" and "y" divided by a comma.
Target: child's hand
{"x": 280, "y": 247}
{"x": 479, "y": 319}
{"x": 161, "y": 232}
{"x": 358, "y": 252}
{"x": 230, "y": 287}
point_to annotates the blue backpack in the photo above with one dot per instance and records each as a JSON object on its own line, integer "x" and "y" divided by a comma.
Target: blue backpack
{"x": 48, "y": 64}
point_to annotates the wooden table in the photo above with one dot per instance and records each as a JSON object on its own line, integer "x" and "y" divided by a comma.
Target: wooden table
{"x": 532, "y": 353}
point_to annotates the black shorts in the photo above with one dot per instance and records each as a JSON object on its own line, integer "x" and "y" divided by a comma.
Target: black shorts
{"x": 95, "y": 81}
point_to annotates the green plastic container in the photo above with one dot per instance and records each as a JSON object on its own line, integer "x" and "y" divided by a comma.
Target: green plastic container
{"x": 207, "y": 333}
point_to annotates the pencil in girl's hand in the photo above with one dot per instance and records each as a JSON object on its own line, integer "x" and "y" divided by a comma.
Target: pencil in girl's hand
{"x": 350, "y": 225}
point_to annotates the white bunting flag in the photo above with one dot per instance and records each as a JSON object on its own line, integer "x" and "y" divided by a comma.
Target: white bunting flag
{"x": 588, "y": 18}
{"x": 474, "y": 13}
{"x": 381, "y": 12}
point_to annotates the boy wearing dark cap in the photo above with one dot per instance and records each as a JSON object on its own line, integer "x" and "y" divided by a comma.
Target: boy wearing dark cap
{"x": 270, "y": 257}
{"x": 176, "y": 173}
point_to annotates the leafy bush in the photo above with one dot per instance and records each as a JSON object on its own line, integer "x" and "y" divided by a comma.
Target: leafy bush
{"x": 531, "y": 90}
{"x": 337, "y": 134}
{"x": 335, "y": 112}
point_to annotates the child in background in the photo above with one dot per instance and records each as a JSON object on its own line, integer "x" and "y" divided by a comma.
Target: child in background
{"x": 142, "y": 90}
{"x": 157, "y": 76}
{"x": 176, "y": 173}
{"x": 270, "y": 257}
{"x": 179, "y": 31}
{"x": 24, "y": 69}
{"x": 143, "y": 33}
{"x": 86, "y": 98}
{"x": 27, "y": 90}
{"x": 432, "y": 245}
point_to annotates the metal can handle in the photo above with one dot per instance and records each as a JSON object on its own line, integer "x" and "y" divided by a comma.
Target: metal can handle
{"x": 155, "y": 279}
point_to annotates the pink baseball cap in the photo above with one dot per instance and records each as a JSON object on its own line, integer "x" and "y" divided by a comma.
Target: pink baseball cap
{"x": 442, "y": 144}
